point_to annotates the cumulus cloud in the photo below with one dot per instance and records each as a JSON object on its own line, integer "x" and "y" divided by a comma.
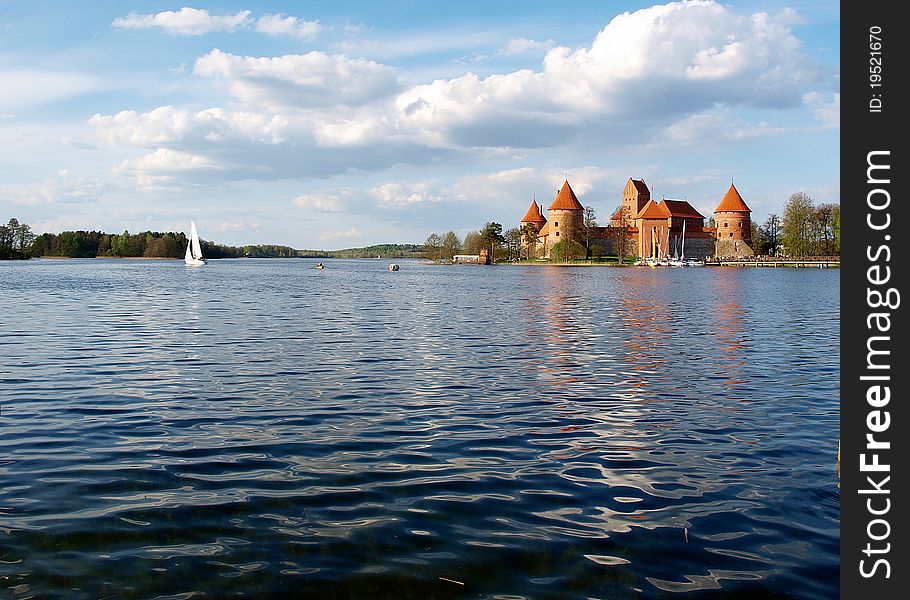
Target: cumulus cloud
{"x": 167, "y": 124}
{"x": 278, "y": 24}
{"x": 157, "y": 169}
{"x": 674, "y": 73}
{"x": 298, "y": 81}
{"x": 186, "y": 21}
{"x": 650, "y": 66}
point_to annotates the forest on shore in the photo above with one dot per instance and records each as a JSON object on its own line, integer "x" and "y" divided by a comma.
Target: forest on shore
{"x": 18, "y": 242}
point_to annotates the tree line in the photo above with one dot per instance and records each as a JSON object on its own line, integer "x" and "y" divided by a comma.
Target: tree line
{"x": 515, "y": 243}
{"x": 18, "y": 242}
{"x": 804, "y": 229}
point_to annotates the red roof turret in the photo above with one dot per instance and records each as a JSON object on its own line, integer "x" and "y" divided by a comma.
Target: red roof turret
{"x": 732, "y": 202}
{"x": 566, "y": 199}
{"x": 534, "y": 215}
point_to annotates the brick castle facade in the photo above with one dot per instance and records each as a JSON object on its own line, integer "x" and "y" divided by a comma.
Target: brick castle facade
{"x": 650, "y": 228}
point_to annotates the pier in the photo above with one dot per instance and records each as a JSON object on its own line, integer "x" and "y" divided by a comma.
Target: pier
{"x": 817, "y": 262}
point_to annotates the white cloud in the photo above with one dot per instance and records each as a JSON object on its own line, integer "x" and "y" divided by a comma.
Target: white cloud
{"x": 278, "y": 24}
{"x": 167, "y": 124}
{"x": 65, "y": 187}
{"x": 400, "y": 195}
{"x": 518, "y": 46}
{"x": 826, "y": 108}
{"x": 186, "y": 21}
{"x": 712, "y": 127}
{"x": 299, "y": 81}
{"x": 157, "y": 169}
{"x": 650, "y": 66}
{"x": 320, "y": 202}
{"x": 347, "y": 234}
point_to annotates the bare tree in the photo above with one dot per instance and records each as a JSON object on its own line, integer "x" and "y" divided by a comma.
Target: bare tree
{"x": 620, "y": 235}
{"x": 771, "y": 230}
{"x": 589, "y": 224}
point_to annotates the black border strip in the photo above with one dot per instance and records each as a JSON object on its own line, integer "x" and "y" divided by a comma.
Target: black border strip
{"x": 871, "y": 121}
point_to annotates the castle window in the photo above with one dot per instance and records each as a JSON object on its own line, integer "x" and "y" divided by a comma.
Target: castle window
{"x": 740, "y": 224}
{"x": 731, "y": 234}
{"x": 726, "y": 224}
{"x": 555, "y": 223}
{"x": 557, "y": 234}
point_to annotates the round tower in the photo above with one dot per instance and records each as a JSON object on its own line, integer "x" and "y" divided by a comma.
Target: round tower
{"x": 734, "y": 225}
{"x": 566, "y": 216}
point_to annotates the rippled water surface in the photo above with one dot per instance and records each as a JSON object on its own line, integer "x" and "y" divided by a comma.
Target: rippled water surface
{"x": 264, "y": 428}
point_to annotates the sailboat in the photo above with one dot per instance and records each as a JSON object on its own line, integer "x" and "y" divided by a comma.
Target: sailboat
{"x": 681, "y": 261}
{"x": 193, "y": 254}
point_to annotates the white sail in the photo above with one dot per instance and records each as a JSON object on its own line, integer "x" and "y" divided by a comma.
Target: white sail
{"x": 682, "y": 254}
{"x": 197, "y": 247}
{"x": 194, "y": 248}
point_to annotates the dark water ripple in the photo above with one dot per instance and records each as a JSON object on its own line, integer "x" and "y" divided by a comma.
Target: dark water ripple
{"x": 263, "y": 428}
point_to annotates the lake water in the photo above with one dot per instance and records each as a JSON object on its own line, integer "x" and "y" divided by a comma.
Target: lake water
{"x": 265, "y": 428}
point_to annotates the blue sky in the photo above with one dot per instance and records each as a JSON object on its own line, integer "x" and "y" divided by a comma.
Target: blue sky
{"x": 340, "y": 124}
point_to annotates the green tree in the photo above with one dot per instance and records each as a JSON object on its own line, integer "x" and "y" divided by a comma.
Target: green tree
{"x": 835, "y": 229}
{"x": 513, "y": 242}
{"x": 492, "y": 238}
{"x": 432, "y": 246}
{"x": 825, "y": 216}
{"x": 529, "y": 234}
{"x": 472, "y": 243}
{"x": 759, "y": 239}
{"x": 451, "y": 245}
{"x": 798, "y": 226}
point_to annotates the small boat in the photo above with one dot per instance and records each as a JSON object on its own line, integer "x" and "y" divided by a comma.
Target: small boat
{"x": 393, "y": 267}
{"x": 320, "y": 266}
{"x": 193, "y": 254}
{"x": 694, "y": 262}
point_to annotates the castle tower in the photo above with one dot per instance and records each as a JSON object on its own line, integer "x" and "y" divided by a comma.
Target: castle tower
{"x": 734, "y": 226}
{"x": 634, "y": 197}
{"x": 534, "y": 216}
{"x": 566, "y": 216}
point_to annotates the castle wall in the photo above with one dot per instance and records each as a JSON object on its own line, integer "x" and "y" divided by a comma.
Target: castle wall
{"x": 699, "y": 247}
{"x": 727, "y": 248}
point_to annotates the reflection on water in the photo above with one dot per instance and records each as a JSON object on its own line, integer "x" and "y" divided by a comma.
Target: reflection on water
{"x": 434, "y": 432}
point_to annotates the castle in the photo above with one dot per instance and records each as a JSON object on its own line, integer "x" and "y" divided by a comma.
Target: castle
{"x": 645, "y": 227}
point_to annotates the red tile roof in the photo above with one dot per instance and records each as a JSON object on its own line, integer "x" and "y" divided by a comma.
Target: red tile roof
{"x": 653, "y": 210}
{"x": 533, "y": 215}
{"x": 732, "y": 202}
{"x": 566, "y": 200}
{"x": 681, "y": 208}
{"x": 544, "y": 231}
{"x": 640, "y": 185}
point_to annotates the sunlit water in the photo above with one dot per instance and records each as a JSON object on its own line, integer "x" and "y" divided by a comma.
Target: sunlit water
{"x": 264, "y": 428}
